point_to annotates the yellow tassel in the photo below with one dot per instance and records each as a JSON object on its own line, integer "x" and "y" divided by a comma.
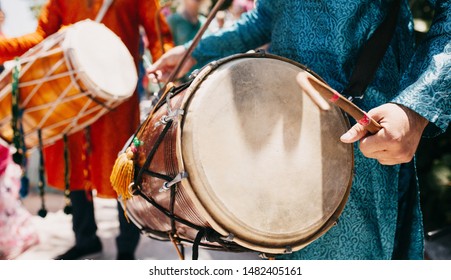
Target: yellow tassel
{"x": 122, "y": 176}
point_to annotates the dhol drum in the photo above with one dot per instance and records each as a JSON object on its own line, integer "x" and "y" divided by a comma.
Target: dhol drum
{"x": 240, "y": 159}
{"x": 67, "y": 82}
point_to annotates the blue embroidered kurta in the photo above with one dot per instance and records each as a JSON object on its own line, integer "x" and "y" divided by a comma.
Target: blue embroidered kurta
{"x": 326, "y": 36}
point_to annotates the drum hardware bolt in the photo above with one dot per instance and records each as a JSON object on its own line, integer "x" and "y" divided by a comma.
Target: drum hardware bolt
{"x": 288, "y": 250}
{"x": 171, "y": 116}
{"x": 163, "y": 120}
{"x": 213, "y": 65}
{"x": 266, "y": 256}
{"x": 167, "y": 185}
{"x": 261, "y": 52}
{"x": 168, "y": 100}
{"x": 229, "y": 237}
{"x": 194, "y": 74}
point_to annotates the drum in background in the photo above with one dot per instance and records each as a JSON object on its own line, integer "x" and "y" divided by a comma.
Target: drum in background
{"x": 243, "y": 153}
{"x": 67, "y": 82}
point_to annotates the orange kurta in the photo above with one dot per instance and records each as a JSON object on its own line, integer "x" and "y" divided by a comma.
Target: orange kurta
{"x": 110, "y": 132}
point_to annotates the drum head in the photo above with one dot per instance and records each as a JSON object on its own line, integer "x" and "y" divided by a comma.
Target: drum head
{"x": 263, "y": 161}
{"x": 104, "y": 62}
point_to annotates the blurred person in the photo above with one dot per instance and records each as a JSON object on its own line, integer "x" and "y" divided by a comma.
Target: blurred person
{"x": 229, "y": 13}
{"x": 409, "y": 96}
{"x": 94, "y": 151}
{"x": 17, "y": 232}
{"x": 238, "y": 8}
{"x": 186, "y": 21}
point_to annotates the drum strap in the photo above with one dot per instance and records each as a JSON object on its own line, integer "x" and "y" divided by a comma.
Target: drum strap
{"x": 372, "y": 53}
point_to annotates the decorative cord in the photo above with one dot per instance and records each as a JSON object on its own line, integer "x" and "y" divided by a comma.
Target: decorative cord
{"x": 43, "y": 211}
{"x": 68, "y": 207}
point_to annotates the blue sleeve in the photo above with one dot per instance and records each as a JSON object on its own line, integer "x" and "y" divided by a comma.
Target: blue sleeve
{"x": 251, "y": 31}
{"x": 426, "y": 85}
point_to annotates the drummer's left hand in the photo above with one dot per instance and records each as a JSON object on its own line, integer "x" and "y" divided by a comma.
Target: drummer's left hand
{"x": 398, "y": 139}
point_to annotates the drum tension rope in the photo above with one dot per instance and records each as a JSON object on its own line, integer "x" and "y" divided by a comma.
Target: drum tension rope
{"x": 171, "y": 184}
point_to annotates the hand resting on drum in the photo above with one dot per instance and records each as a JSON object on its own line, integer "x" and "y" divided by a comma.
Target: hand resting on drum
{"x": 398, "y": 139}
{"x": 166, "y": 65}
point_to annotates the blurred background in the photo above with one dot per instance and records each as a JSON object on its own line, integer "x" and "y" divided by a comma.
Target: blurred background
{"x": 434, "y": 166}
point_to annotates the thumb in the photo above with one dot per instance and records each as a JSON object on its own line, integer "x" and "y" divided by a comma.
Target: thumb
{"x": 156, "y": 66}
{"x": 354, "y": 134}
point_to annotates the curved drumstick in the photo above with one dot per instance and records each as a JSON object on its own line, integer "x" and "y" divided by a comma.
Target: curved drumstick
{"x": 319, "y": 91}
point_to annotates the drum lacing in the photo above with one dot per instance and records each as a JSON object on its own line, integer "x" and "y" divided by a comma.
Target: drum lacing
{"x": 72, "y": 75}
{"x": 99, "y": 102}
{"x": 134, "y": 188}
{"x": 208, "y": 233}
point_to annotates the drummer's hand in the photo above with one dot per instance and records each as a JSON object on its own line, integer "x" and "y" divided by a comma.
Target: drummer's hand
{"x": 165, "y": 66}
{"x": 398, "y": 139}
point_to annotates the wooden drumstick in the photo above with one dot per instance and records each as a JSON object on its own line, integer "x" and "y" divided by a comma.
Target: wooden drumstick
{"x": 319, "y": 91}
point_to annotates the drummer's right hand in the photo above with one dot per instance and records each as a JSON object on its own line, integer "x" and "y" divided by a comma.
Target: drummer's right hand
{"x": 163, "y": 68}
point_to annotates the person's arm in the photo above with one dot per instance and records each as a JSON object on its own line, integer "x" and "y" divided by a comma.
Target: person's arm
{"x": 251, "y": 31}
{"x": 425, "y": 99}
{"x": 149, "y": 13}
{"x": 426, "y": 85}
{"x": 49, "y": 22}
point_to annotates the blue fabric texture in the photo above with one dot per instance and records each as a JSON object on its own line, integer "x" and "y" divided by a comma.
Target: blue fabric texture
{"x": 326, "y": 36}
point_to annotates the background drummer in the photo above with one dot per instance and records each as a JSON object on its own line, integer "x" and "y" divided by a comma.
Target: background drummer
{"x": 92, "y": 159}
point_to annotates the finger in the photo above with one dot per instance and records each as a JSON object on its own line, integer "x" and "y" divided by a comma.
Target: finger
{"x": 152, "y": 68}
{"x": 388, "y": 157}
{"x": 383, "y": 157}
{"x": 374, "y": 143}
{"x": 388, "y": 161}
{"x": 392, "y": 160}
{"x": 155, "y": 77}
{"x": 161, "y": 64}
{"x": 354, "y": 134}
{"x": 380, "y": 146}
{"x": 391, "y": 142}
